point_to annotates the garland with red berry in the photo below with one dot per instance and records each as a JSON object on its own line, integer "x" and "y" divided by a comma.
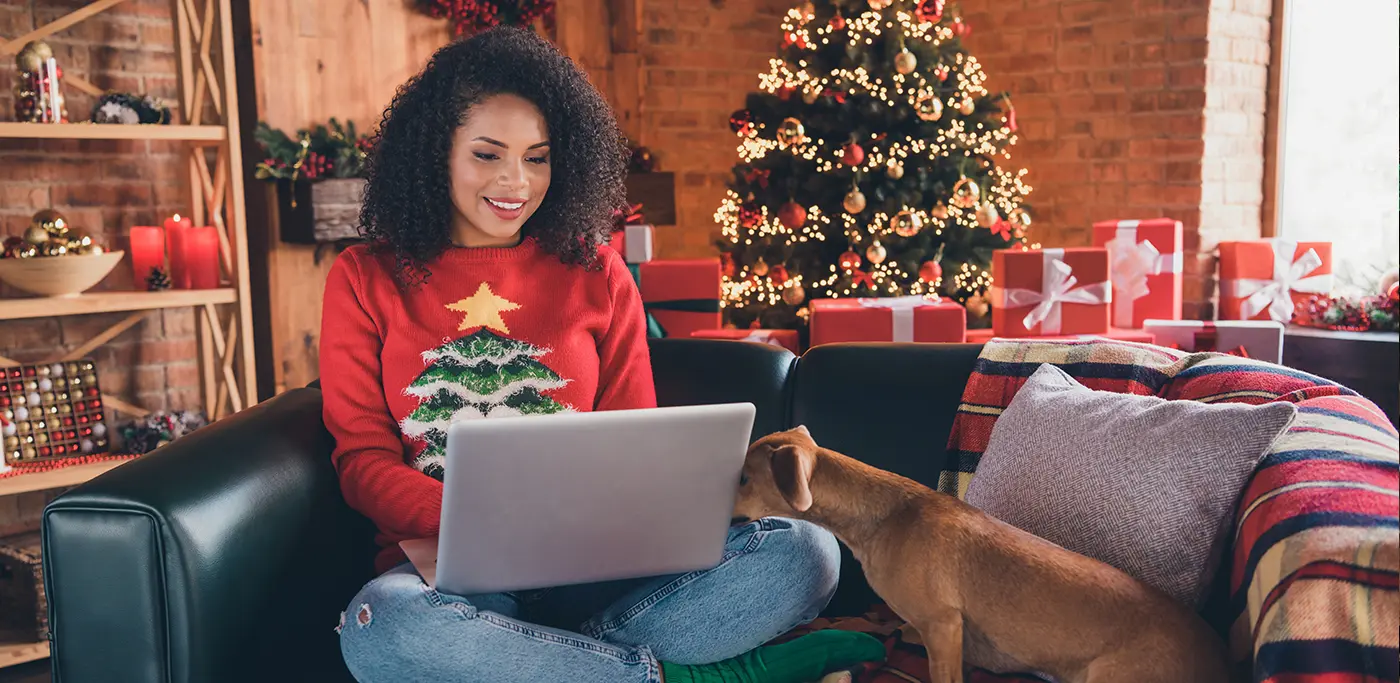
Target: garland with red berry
{"x": 470, "y": 16}
{"x": 333, "y": 151}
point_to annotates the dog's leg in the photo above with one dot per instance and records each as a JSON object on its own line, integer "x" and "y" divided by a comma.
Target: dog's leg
{"x": 943, "y": 637}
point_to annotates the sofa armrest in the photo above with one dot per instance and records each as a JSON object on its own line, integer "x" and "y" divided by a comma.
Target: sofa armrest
{"x": 1313, "y": 575}
{"x": 224, "y": 556}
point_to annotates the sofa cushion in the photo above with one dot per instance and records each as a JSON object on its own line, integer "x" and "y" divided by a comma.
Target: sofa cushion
{"x": 1139, "y": 482}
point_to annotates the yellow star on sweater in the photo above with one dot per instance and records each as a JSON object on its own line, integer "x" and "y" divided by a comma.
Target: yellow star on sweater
{"x": 483, "y": 309}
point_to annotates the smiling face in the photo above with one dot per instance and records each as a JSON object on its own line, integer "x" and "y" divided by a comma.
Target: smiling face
{"x": 500, "y": 171}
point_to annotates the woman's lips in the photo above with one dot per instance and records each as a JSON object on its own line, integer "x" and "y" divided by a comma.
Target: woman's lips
{"x": 506, "y": 208}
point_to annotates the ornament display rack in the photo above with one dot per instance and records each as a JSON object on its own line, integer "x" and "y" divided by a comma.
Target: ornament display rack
{"x": 208, "y": 122}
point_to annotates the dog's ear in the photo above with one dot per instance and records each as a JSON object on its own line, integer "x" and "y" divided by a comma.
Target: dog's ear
{"x": 802, "y": 429}
{"x": 792, "y": 472}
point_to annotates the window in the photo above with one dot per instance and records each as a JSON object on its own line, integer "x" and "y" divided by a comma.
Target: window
{"x": 1339, "y": 134}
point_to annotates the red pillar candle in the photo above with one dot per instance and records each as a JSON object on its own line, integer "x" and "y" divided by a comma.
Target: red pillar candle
{"x": 202, "y": 257}
{"x": 175, "y": 230}
{"x": 147, "y": 252}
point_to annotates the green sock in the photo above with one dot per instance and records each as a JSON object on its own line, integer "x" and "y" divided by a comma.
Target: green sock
{"x": 803, "y": 660}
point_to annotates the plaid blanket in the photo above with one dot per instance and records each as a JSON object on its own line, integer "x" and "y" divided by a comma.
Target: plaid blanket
{"x": 1309, "y": 591}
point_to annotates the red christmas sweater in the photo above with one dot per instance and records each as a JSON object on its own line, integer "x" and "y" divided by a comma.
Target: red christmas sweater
{"x": 494, "y": 331}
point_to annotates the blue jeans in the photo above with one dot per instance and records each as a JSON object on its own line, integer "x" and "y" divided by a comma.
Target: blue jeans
{"x": 776, "y": 575}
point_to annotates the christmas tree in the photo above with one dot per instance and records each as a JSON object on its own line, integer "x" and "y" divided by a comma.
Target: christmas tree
{"x": 868, "y": 165}
{"x": 477, "y": 376}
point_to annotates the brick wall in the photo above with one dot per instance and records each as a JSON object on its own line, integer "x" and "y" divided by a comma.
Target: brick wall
{"x": 1128, "y": 109}
{"x": 103, "y": 187}
{"x": 700, "y": 59}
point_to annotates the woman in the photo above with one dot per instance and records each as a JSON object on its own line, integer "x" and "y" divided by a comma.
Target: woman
{"x": 483, "y": 292}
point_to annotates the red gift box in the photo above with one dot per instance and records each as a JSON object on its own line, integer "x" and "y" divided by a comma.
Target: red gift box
{"x": 1050, "y": 292}
{"x": 984, "y": 335}
{"x": 1266, "y": 279}
{"x": 1144, "y": 265}
{"x": 889, "y": 319}
{"x": 634, "y": 243}
{"x": 785, "y": 338}
{"x": 1259, "y": 339}
{"x": 683, "y": 296}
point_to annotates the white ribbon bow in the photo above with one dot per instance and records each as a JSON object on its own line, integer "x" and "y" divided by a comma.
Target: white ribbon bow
{"x": 764, "y": 337}
{"x": 1290, "y": 275}
{"x": 902, "y": 308}
{"x": 1130, "y": 262}
{"x": 1056, "y": 288}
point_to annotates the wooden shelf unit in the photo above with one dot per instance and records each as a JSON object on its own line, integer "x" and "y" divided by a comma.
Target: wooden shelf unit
{"x": 212, "y": 168}
{"x": 110, "y": 131}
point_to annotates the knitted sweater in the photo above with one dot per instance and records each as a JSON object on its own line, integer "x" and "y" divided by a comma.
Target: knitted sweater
{"x": 494, "y": 331}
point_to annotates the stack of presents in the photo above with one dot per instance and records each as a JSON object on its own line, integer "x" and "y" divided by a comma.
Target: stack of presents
{"x": 1126, "y": 287}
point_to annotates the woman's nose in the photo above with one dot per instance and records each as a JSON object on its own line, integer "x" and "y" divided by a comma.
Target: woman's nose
{"x": 513, "y": 174}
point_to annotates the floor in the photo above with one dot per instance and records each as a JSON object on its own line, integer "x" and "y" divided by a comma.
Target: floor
{"x": 29, "y": 672}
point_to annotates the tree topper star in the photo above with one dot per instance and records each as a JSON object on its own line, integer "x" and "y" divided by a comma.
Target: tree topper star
{"x": 483, "y": 309}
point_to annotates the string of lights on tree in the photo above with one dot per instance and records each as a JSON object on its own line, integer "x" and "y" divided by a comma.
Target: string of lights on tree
{"x": 870, "y": 164}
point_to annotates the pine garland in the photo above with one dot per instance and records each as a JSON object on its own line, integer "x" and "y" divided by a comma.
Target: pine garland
{"x": 470, "y": 16}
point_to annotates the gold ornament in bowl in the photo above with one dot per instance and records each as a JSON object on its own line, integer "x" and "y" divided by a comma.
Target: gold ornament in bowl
{"x": 51, "y": 222}
{"x": 791, "y": 132}
{"x": 35, "y": 235}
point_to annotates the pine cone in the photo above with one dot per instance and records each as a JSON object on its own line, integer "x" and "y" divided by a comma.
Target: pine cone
{"x": 158, "y": 280}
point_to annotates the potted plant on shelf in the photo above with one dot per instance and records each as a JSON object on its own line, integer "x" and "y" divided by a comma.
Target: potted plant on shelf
{"x": 320, "y": 179}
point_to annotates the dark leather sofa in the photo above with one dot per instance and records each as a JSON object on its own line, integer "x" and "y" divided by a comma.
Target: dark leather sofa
{"x": 228, "y": 555}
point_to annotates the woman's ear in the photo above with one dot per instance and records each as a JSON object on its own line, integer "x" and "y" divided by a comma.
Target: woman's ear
{"x": 792, "y": 473}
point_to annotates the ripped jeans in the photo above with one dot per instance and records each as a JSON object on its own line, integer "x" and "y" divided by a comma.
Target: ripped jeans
{"x": 776, "y": 574}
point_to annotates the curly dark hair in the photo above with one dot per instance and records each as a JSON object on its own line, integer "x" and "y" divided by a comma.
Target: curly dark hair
{"x": 407, "y": 207}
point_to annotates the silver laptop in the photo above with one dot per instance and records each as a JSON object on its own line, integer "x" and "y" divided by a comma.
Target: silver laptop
{"x": 553, "y": 500}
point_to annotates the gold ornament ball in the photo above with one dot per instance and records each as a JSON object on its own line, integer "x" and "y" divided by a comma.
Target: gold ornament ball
{"x": 809, "y": 11}
{"x": 977, "y": 305}
{"x": 36, "y": 235}
{"x": 51, "y": 221}
{"x": 875, "y": 253}
{"x": 928, "y": 107}
{"x": 905, "y": 62}
{"x": 791, "y": 132}
{"x": 54, "y": 248}
{"x": 27, "y": 251}
{"x": 40, "y": 48}
{"x": 28, "y": 61}
{"x": 794, "y": 295}
{"x": 939, "y": 211}
{"x": 878, "y": 5}
{"x": 854, "y": 202}
{"x": 894, "y": 169}
{"x": 92, "y": 250}
{"x": 1019, "y": 217}
{"x": 966, "y": 193}
{"x": 967, "y": 107}
{"x": 987, "y": 215}
{"x": 760, "y": 268}
{"x": 906, "y": 223}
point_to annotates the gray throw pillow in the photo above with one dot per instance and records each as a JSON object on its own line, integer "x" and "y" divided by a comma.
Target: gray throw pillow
{"x": 1141, "y": 483}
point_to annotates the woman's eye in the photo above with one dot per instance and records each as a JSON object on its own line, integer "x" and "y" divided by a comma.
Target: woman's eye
{"x": 538, "y": 160}
{"x": 485, "y": 156}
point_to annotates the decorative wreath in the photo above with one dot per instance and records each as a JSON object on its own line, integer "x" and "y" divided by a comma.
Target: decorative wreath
{"x": 471, "y": 16}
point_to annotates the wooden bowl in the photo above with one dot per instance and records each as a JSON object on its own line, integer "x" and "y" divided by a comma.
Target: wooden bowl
{"x": 58, "y": 275}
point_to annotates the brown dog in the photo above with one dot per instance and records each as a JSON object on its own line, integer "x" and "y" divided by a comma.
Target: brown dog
{"x": 975, "y": 587}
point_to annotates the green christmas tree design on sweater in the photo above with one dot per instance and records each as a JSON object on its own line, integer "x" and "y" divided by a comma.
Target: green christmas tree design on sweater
{"x": 481, "y": 375}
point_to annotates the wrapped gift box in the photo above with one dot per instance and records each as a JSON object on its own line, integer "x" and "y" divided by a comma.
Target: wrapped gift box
{"x": 634, "y": 242}
{"x": 1260, "y": 339}
{"x": 787, "y": 339}
{"x": 1144, "y": 265}
{"x": 1050, "y": 292}
{"x": 889, "y": 319}
{"x": 1266, "y": 279}
{"x": 682, "y": 296}
{"x": 982, "y": 336}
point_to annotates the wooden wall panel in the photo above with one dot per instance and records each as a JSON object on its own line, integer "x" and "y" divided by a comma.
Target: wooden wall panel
{"x": 314, "y": 59}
